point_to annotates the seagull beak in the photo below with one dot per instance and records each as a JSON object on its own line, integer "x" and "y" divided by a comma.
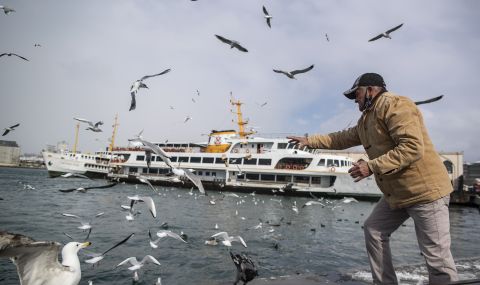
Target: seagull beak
{"x": 85, "y": 244}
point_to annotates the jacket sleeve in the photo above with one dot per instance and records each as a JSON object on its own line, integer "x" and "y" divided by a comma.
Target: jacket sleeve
{"x": 338, "y": 140}
{"x": 403, "y": 122}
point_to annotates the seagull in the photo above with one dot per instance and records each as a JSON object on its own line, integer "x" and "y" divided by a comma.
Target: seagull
{"x": 192, "y": 177}
{"x": 292, "y": 74}
{"x": 138, "y": 84}
{"x": 227, "y": 240}
{"x": 156, "y": 149}
{"x": 96, "y": 257}
{"x": 434, "y": 99}
{"x": 37, "y": 261}
{"x": 84, "y": 189}
{"x": 211, "y": 241}
{"x": 246, "y": 270}
{"x": 11, "y": 53}
{"x": 326, "y": 36}
{"x": 198, "y": 93}
{"x": 147, "y": 200}
{"x": 85, "y": 225}
{"x": 77, "y": 175}
{"x": 137, "y": 265}
{"x": 233, "y": 44}
{"x": 6, "y": 9}
{"x": 171, "y": 107}
{"x": 188, "y": 118}
{"x": 310, "y": 203}
{"x": 193, "y": 100}
{"x": 267, "y": 16}
{"x": 161, "y": 234}
{"x": 144, "y": 179}
{"x": 385, "y": 34}
{"x": 9, "y": 129}
{"x": 37, "y": 45}
{"x": 92, "y": 127}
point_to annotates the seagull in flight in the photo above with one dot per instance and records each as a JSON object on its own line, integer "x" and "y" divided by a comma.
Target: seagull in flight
{"x": 96, "y": 257}
{"x": 385, "y": 34}
{"x": 162, "y": 234}
{"x": 291, "y": 74}
{"x": 86, "y": 225}
{"x": 9, "y": 129}
{"x": 11, "y": 53}
{"x": 137, "y": 265}
{"x": 187, "y": 118}
{"x": 267, "y": 16}
{"x": 37, "y": 261}
{"x": 6, "y": 10}
{"x": 148, "y": 200}
{"x": 431, "y": 100}
{"x": 37, "y": 45}
{"x": 92, "y": 127}
{"x": 84, "y": 189}
{"x": 138, "y": 84}
{"x": 227, "y": 240}
{"x": 233, "y": 44}
{"x": 326, "y": 36}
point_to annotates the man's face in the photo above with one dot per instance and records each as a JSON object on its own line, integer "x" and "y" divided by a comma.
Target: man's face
{"x": 360, "y": 95}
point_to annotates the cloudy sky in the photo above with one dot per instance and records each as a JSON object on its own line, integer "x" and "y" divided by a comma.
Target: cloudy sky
{"x": 92, "y": 51}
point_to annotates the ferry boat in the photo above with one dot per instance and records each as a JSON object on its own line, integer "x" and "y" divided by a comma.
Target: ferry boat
{"x": 62, "y": 160}
{"x": 242, "y": 162}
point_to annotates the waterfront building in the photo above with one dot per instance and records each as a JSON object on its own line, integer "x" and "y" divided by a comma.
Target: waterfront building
{"x": 9, "y": 153}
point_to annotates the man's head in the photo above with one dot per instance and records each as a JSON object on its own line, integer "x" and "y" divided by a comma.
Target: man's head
{"x": 367, "y": 86}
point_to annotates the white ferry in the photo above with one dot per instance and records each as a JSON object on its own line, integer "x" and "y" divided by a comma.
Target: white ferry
{"x": 62, "y": 160}
{"x": 232, "y": 161}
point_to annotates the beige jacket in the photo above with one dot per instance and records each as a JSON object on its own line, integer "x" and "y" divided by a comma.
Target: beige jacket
{"x": 406, "y": 166}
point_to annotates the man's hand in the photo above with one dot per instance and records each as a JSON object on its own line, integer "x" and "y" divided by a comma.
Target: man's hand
{"x": 300, "y": 141}
{"x": 359, "y": 170}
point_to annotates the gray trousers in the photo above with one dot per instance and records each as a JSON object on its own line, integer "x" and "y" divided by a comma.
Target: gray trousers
{"x": 432, "y": 227}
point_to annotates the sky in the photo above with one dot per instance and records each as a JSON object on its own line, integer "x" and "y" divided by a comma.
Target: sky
{"x": 92, "y": 51}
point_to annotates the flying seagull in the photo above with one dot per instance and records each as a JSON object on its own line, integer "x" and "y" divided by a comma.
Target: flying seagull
{"x": 137, "y": 265}
{"x": 11, "y": 53}
{"x": 148, "y": 200}
{"x": 6, "y": 9}
{"x": 138, "y": 84}
{"x": 227, "y": 240}
{"x": 9, "y": 129}
{"x": 37, "y": 45}
{"x": 85, "y": 224}
{"x": 84, "y": 189}
{"x": 233, "y": 44}
{"x": 162, "y": 234}
{"x": 37, "y": 261}
{"x": 326, "y": 37}
{"x": 385, "y": 34}
{"x": 246, "y": 270}
{"x": 77, "y": 175}
{"x": 92, "y": 127}
{"x": 434, "y": 99}
{"x": 292, "y": 74}
{"x": 96, "y": 257}
{"x": 267, "y": 16}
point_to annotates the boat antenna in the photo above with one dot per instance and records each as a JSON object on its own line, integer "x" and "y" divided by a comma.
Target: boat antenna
{"x": 114, "y": 133}
{"x": 240, "y": 122}
{"x": 76, "y": 138}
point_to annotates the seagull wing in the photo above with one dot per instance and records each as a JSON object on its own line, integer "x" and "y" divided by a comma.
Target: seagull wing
{"x": 158, "y": 150}
{"x": 239, "y": 47}
{"x": 98, "y": 123}
{"x": 119, "y": 243}
{"x": 240, "y": 239}
{"x": 161, "y": 73}
{"x": 175, "y": 236}
{"x": 132, "y": 260}
{"x": 375, "y": 38}
{"x": 434, "y": 99}
{"x": 265, "y": 11}
{"x": 14, "y": 126}
{"x": 6, "y": 132}
{"x": 302, "y": 70}
{"x": 151, "y": 259}
{"x": 145, "y": 180}
{"x": 102, "y": 186}
{"x": 223, "y": 235}
{"x": 71, "y": 216}
{"x": 3, "y": 54}
{"x": 35, "y": 261}
{"x": 84, "y": 121}
{"x": 394, "y": 29}
{"x": 195, "y": 180}
{"x": 150, "y": 204}
{"x": 20, "y": 56}
{"x": 133, "y": 103}
{"x": 280, "y": 71}
{"x": 227, "y": 41}
{"x": 268, "y": 22}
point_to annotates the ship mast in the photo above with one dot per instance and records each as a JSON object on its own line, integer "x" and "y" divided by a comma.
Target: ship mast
{"x": 240, "y": 122}
{"x": 76, "y": 138}
{"x": 112, "y": 141}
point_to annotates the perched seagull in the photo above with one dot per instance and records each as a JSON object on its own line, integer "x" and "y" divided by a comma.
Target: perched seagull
{"x": 9, "y": 129}
{"x": 347, "y": 200}
{"x": 233, "y": 44}
{"x": 138, "y": 84}
{"x": 227, "y": 240}
{"x": 11, "y": 53}
{"x": 246, "y": 270}
{"x": 147, "y": 200}
{"x": 162, "y": 234}
{"x": 6, "y": 9}
{"x": 267, "y": 16}
{"x": 96, "y": 257}
{"x": 431, "y": 100}
{"x": 292, "y": 74}
{"x": 385, "y": 34}
{"x": 37, "y": 261}
{"x": 92, "y": 127}
{"x": 85, "y": 224}
{"x": 188, "y": 118}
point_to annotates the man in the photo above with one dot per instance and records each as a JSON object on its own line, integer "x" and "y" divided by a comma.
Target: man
{"x": 407, "y": 170}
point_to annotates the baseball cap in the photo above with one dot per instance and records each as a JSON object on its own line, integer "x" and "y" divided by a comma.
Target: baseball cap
{"x": 366, "y": 79}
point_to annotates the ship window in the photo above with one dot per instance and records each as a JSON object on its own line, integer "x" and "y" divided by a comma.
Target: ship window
{"x": 268, "y": 177}
{"x": 284, "y": 178}
{"x": 133, "y": 170}
{"x": 183, "y": 159}
{"x": 301, "y": 179}
{"x": 184, "y": 145}
{"x": 207, "y": 160}
{"x": 214, "y": 174}
{"x": 158, "y": 158}
{"x": 241, "y": 176}
{"x": 140, "y": 157}
{"x": 264, "y": 161}
{"x": 218, "y": 160}
{"x": 199, "y": 172}
{"x": 195, "y": 159}
{"x": 337, "y": 163}
{"x": 252, "y": 176}
{"x": 321, "y": 162}
{"x": 144, "y": 170}
{"x": 163, "y": 170}
{"x": 316, "y": 180}
{"x": 330, "y": 162}
{"x": 207, "y": 173}
{"x": 252, "y": 161}
{"x": 236, "y": 160}
{"x": 153, "y": 170}
{"x": 173, "y": 159}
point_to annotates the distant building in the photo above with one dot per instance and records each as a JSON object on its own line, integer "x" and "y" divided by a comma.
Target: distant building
{"x": 471, "y": 172}
{"x": 9, "y": 153}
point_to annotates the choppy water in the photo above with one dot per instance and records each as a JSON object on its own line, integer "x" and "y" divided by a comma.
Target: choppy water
{"x": 304, "y": 246}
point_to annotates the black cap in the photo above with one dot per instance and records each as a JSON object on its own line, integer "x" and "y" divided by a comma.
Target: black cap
{"x": 366, "y": 79}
